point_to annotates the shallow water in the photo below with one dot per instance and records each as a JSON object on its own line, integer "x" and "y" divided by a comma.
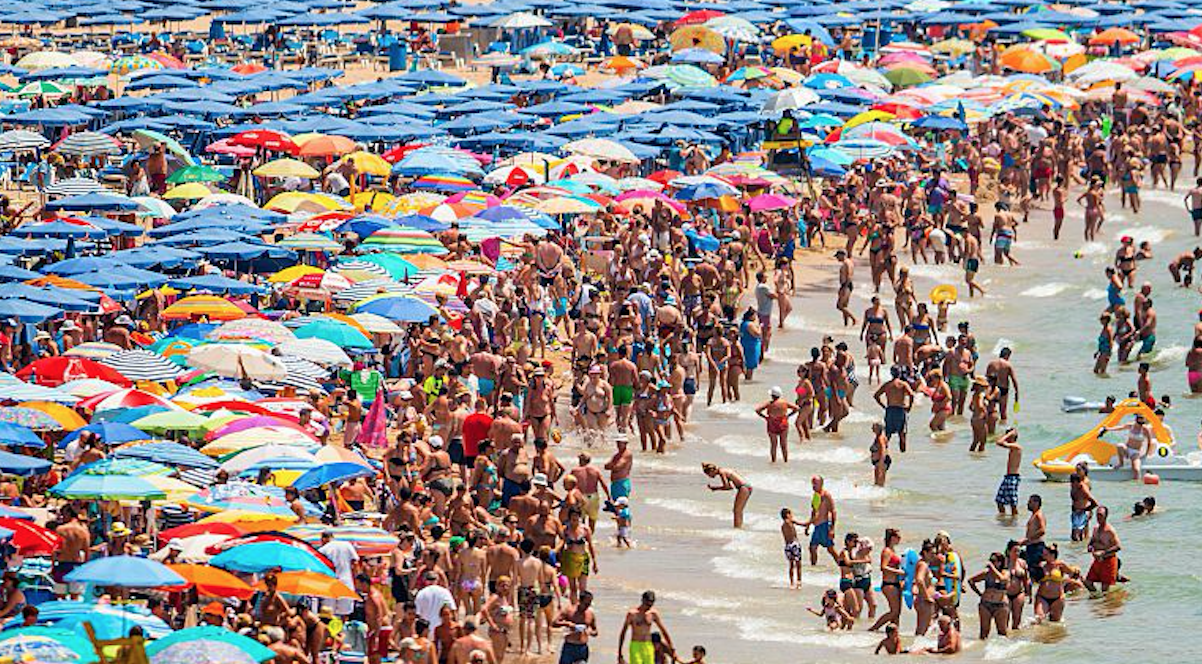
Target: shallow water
{"x": 727, "y": 589}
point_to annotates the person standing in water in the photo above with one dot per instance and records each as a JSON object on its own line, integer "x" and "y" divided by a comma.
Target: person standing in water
{"x": 638, "y": 623}
{"x": 793, "y": 551}
{"x": 1033, "y": 545}
{"x": 1002, "y": 371}
{"x": 846, "y": 272}
{"x": 896, "y": 397}
{"x": 822, "y": 520}
{"x": 730, "y": 481}
{"x": 776, "y": 412}
{"x": 1007, "y": 491}
{"x": 1083, "y": 502}
{"x": 1193, "y": 203}
{"x": 1104, "y": 546}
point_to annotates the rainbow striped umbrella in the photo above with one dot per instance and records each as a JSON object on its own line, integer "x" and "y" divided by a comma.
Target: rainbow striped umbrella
{"x": 444, "y": 182}
{"x": 404, "y": 240}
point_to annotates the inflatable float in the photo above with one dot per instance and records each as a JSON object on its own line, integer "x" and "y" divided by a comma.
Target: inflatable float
{"x": 1163, "y": 463}
{"x": 909, "y": 563}
{"x": 1079, "y": 405}
{"x": 944, "y": 293}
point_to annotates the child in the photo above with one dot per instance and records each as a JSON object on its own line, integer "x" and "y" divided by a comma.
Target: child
{"x": 698, "y": 656}
{"x": 622, "y": 516}
{"x": 793, "y": 549}
{"x": 891, "y": 644}
{"x": 664, "y": 654}
{"x": 941, "y": 314}
{"x": 833, "y": 612}
{"x": 875, "y": 357}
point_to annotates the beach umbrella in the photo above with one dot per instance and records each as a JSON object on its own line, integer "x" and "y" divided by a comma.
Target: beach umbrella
{"x": 90, "y": 486}
{"x": 54, "y": 371}
{"x": 15, "y": 389}
{"x": 734, "y": 28}
{"x": 601, "y": 148}
{"x": 1047, "y": 34}
{"x": 519, "y": 21}
{"x": 306, "y": 583}
{"x": 143, "y": 365}
{"x": 125, "y": 572}
{"x": 1027, "y": 61}
{"x": 1114, "y": 35}
{"x": 30, "y": 540}
{"x": 210, "y": 634}
{"x": 268, "y": 139}
{"x": 286, "y": 168}
{"x": 326, "y": 146}
{"x": 397, "y": 308}
{"x": 45, "y": 60}
{"x": 21, "y": 139}
{"x": 327, "y": 473}
{"x": 42, "y": 89}
{"x": 765, "y": 202}
{"x": 15, "y": 435}
{"x": 252, "y": 329}
{"x": 76, "y": 186}
{"x": 42, "y": 416}
{"x": 111, "y": 433}
{"x": 367, "y": 540}
{"x": 339, "y": 334}
{"x": 196, "y": 173}
{"x": 20, "y": 464}
{"x": 317, "y": 350}
{"x": 188, "y": 191}
{"x": 211, "y": 307}
{"x": 212, "y": 581}
{"x": 109, "y": 620}
{"x": 687, "y": 76}
{"x": 258, "y": 557}
{"x": 168, "y": 452}
{"x": 697, "y": 36}
{"x": 88, "y": 144}
{"x": 18, "y": 647}
{"x": 123, "y": 399}
{"x": 170, "y": 420}
{"x": 131, "y": 63}
{"x": 443, "y": 182}
{"x": 907, "y": 76}
{"x": 237, "y": 361}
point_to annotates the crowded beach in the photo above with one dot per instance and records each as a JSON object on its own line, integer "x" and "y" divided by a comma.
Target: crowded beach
{"x": 654, "y": 331}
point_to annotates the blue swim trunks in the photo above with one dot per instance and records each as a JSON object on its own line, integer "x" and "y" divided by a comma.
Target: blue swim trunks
{"x": 822, "y": 535}
{"x": 620, "y": 488}
{"x": 487, "y": 385}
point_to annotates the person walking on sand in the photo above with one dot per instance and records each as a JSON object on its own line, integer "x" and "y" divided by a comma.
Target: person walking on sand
{"x": 729, "y": 481}
{"x": 638, "y": 623}
{"x": 822, "y": 521}
{"x": 1007, "y": 491}
{"x": 776, "y": 412}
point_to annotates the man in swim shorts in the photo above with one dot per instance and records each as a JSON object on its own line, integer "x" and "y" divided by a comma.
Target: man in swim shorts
{"x": 896, "y": 397}
{"x": 1193, "y": 203}
{"x": 639, "y": 621}
{"x": 822, "y": 520}
{"x": 622, "y": 375}
{"x": 1105, "y": 546}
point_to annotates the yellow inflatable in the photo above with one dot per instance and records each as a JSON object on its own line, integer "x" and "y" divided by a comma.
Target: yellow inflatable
{"x": 1057, "y": 463}
{"x": 944, "y": 293}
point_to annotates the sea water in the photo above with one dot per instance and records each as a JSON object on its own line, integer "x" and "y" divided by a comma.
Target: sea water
{"x": 728, "y": 589}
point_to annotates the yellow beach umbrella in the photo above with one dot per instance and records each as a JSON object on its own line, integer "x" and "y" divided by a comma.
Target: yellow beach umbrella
{"x": 637, "y": 31}
{"x": 287, "y": 168}
{"x": 697, "y": 36}
{"x": 369, "y": 164}
{"x": 252, "y": 521}
{"x": 291, "y": 274}
{"x": 869, "y": 116}
{"x": 293, "y": 201}
{"x": 376, "y": 200}
{"x": 189, "y": 191}
{"x": 783, "y": 45}
{"x": 953, "y": 46}
{"x": 787, "y": 76}
{"x": 68, "y": 419}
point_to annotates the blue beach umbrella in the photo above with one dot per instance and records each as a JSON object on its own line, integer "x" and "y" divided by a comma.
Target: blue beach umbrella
{"x": 126, "y": 572}
{"x": 331, "y": 472}
{"x": 22, "y": 465}
{"x": 258, "y": 557}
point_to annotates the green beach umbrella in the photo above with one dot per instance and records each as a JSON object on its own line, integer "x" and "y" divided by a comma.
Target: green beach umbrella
{"x": 170, "y": 420}
{"x": 1047, "y": 33}
{"x": 196, "y": 173}
{"x": 907, "y": 76}
{"x": 148, "y": 137}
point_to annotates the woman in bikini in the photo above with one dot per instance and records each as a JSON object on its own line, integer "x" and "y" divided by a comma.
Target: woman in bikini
{"x": 925, "y": 596}
{"x": 577, "y": 556}
{"x": 855, "y": 577}
{"x": 891, "y": 579}
{"x": 497, "y": 613}
{"x": 879, "y": 454}
{"x": 805, "y": 403}
{"x": 483, "y": 479}
{"x": 994, "y": 607}
{"x": 729, "y": 481}
{"x": 1018, "y": 584}
{"x": 1049, "y": 597}
{"x": 941, "y": 400}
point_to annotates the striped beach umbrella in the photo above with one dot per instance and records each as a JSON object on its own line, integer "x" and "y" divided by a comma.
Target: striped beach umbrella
{"x": 88, "y": 144}
{"x": 21, "y": 139}
{"x": 143, "y": 365}
{"x": 311, "y": 242}
{"x": 444, "y": 182}
{"x": 75, "y": 187}
{"x": 405, "y": 240}
{"x": 366, "y": 289}
{"x": 43, "y": 89}
{"x": 367, "y": 540}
